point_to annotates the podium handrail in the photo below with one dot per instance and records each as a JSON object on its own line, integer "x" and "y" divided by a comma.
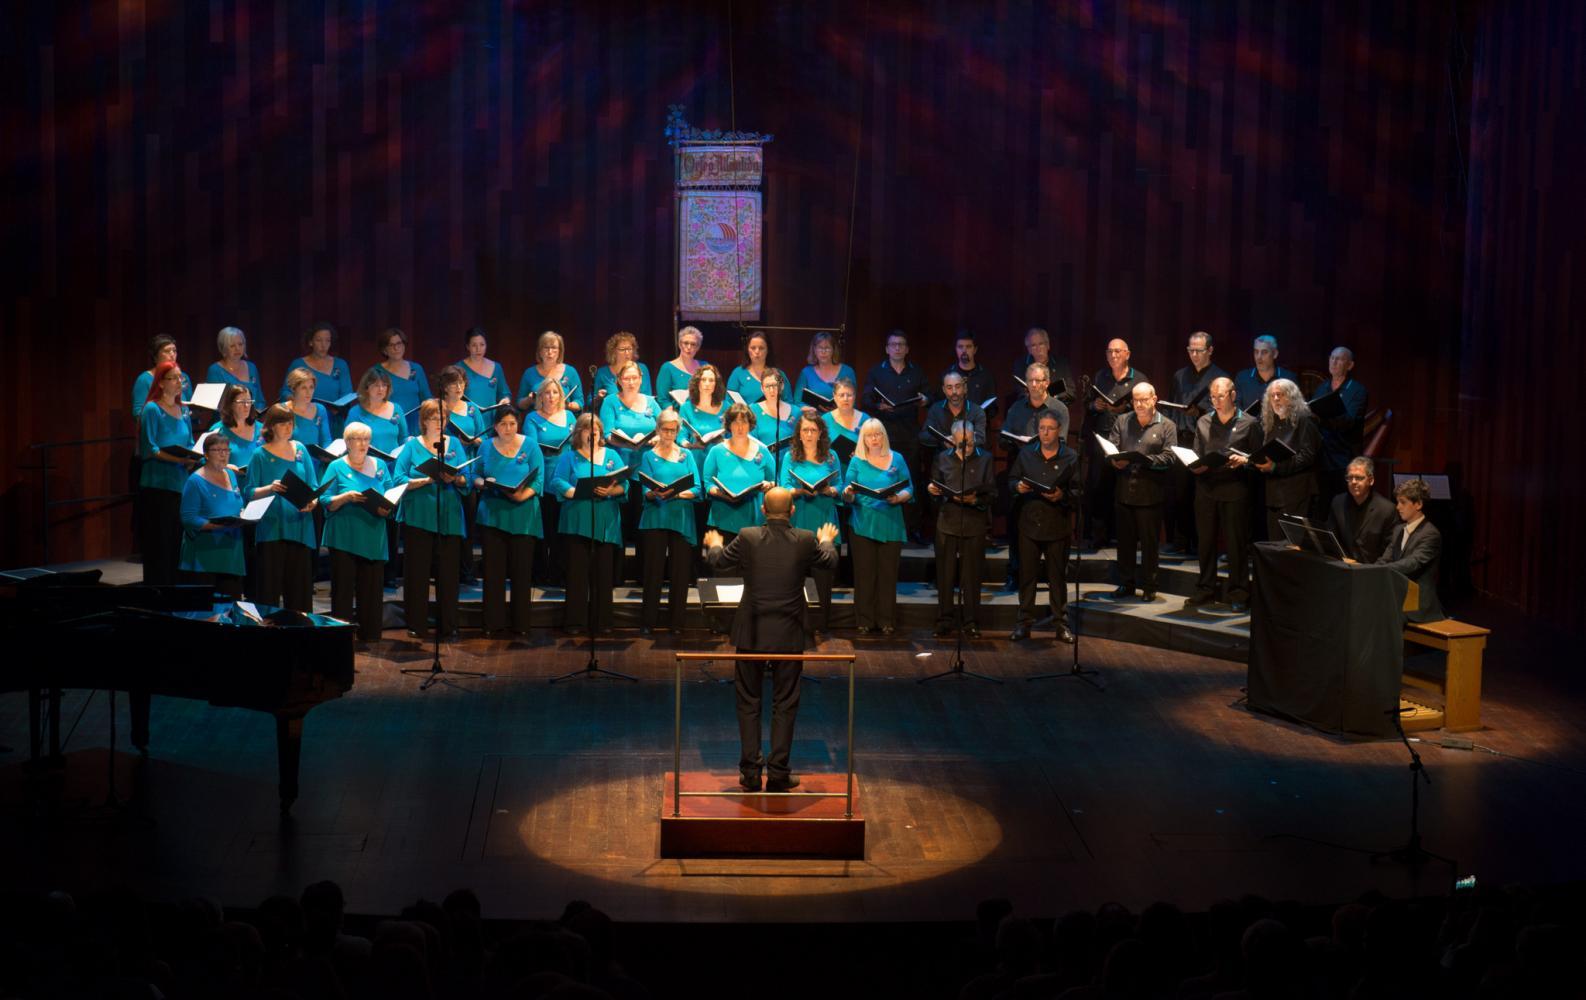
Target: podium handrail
{"x": 677, "y": 726}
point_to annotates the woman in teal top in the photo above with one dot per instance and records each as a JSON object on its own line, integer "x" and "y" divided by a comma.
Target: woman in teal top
{"x": 552, "y": 425}
{"x": 621, "y": 349}
{"x": 332, "y": 375}
{"x": 284, "y": 540}
{"x": 161, "y": 477}
{"x": 808, "y": 461}
{"x": 487, "y": 380}
{"x": 667, "y": 532}
{"x": 843, "y": 422}
{"x": 234, "y": 368}
{"x": 509, "y": 476}
{"x": 211, "y": 550}
{"x": 310, "y": 421}
{"x": 461, "y": 415}
{"x": 355, "y": 533}
{"x": 591, "y": 562}
{"x": 701, "y": 415}
{"x": 738, "y": 463}
{"x": 375, "y": 410}
{"x": 629, "y": 412}
{"x": 550, "y": 363}
{"x": 432, "y": 527}
{"x": 409, "y": 385}
{"x": 876, "y": 527}
{"x": 823, "y": 368}
{"x": 161, "y": 348}
{"x": 236, "y": 423}
{"x": 773, "y": 418}
{"x": 745, "y": 379}
{"x": 675, "y": 375}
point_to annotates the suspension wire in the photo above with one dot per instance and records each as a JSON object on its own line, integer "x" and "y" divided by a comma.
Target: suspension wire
{"x": 853, "y": 194}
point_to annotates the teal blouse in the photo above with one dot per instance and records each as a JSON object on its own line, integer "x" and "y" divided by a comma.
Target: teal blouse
{"x": 834, "y": 430}
{"x": 572, "y": 385}
{"x": 242, "y": 448}
{"x": 575, "y": 516}
{"x": 526, "y": 467}
{"x": 874, "y": 519}
{"x": 218, "y": 373}
{"x": 282, "y": 522}
{"x": 808, "y": 379}
{"x": 812, "y": 512}
{"x": 471, "y": 422}
{"x": 614, "y": 416}
{"x": 354, "y": 528}
{"x": 481, "y": 389}
{"x": 737, "y": 473}
{"x": 211, "y": 551}
{"x": 667, "y": 378}
{"x": 766, "y": 426}
{"x": 607, "y": 381}
{"x": 145, "y": 381}
{"x": 385, "y": 433}
{"x": 333, "y": 385}
{"x": 746, "y": 385}
{"x": 550, "y": 435}
{"x": 158, "y": 429}
{"x": 671, "y": 514}
{"x": 312, "y": 430}
{"x": 700, "y": 421}
{"x": 408, "y": 393}
{"x": 417, "y": 508}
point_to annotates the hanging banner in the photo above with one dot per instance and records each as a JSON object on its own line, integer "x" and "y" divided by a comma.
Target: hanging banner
{"x": 719, "y": 254}
{"x": 719, "y": 166}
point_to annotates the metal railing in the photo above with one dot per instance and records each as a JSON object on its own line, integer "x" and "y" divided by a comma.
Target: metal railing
{"x": 45, "y": 468}
{"x": 677, "y": 726}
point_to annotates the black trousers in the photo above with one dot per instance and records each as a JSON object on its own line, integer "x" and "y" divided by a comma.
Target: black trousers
{"x": 961, "y": 559}
{"x": 667, "y": 555}
{"x": 464, "y": 554}
{"x": 160, "y": 533}
{"x": 875, "y": 580}
{"x": 1231, "y": 520}
{"x": 423, "y": 549}
{"x": 548, "y": 550}
{"x": 1138, "y": 527}
{"x": 631, "y": 509}
{"x": 1031, "y": 552}
{"x": 354, "y": 578}
{"x": 507, "y": 555}
{"x": 584, "y": 567}
{"x": 1300, "y": 506}
{"x": 905, "y": 442}
{"x": 749, "y": 683}
{"x": 824, "y": 578}
{"x": 1101, "y": 481}
{"x": 393, "y": 545}
{"x": 286, "y": 575}
{"x": 1179, "y": 512}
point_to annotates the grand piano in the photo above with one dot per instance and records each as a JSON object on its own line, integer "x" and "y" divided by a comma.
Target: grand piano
{"x": 172, "y": 641}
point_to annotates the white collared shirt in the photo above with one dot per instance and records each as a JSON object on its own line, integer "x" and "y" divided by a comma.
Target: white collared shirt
{"x": 1409, "y": 528}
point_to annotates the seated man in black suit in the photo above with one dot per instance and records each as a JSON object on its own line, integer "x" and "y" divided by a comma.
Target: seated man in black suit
{"x": 1415, "y": 547}
{"x": 1363, "y": 519}
{"x": 773, "y": 560}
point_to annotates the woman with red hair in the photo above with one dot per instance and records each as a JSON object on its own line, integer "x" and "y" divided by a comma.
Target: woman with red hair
{"x": 162, "y": 424}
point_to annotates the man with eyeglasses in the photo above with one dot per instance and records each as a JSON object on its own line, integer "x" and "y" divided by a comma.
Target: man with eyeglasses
{"x": 1362, "y": 518}
{"x": 1116, "y": 382}
{"x": 1191, "y": 388}
{"x": 1222, "y": 497}
{"x": 1018, "y": 431}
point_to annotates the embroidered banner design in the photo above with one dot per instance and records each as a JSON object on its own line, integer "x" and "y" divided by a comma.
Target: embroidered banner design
{"x": 719, "y": 166}
{"x": 719, "y": 253}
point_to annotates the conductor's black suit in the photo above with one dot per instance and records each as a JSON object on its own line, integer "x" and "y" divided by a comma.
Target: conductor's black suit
{"x": 773, "y": 560}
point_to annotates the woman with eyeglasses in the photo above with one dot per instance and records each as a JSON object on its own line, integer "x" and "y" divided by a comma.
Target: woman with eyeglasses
{"x": 667, "y": 532}
{"x": 211, "y": 549}
{"x": 409, "y": 385}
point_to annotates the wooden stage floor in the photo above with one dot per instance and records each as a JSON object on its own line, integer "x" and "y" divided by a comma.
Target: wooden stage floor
{"x": 1051, "y": 793}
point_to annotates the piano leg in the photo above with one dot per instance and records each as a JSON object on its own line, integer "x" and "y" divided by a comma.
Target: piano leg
{"x": 288, "y": 749}
{"x": 138, "y": 709}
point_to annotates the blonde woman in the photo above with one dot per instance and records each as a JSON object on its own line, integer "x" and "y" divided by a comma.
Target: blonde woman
{"x": 877, "y": 485}
{"x": 550, "y": 362}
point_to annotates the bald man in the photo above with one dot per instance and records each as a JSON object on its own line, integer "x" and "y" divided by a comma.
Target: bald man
{"x": 1138, "y": 506}
{"x": 1117, "y": 381}
{"x": 1343, "y": 434}
{"x": 773, "y": 559}
{"x": 1223, "y": 498}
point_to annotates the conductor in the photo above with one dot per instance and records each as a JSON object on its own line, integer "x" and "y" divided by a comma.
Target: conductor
{"x": 773, "y": 559}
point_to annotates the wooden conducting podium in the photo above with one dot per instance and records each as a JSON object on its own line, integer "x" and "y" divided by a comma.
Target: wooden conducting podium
{"x": 1326, "y": 641}
{"x": 706, "y": 815}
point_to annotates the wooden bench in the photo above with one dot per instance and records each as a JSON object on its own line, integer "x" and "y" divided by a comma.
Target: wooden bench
{"x": 1460, "y": 686}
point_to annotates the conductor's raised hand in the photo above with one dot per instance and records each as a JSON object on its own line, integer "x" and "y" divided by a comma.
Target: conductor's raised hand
{"x": 826, "y": 533}
{"x": 713, "y": 538}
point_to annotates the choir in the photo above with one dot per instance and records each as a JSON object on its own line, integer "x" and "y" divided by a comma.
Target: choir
{"x": 553, "y": 486}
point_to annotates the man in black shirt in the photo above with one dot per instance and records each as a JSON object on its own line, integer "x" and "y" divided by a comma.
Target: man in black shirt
{"x": 1343, "y": 434}
{"x": 1018, "y": 430}
{"x": 1138, "y": 499}
{"x": 1222, "y": 497}
{"x": 1362, "y": 518}
{"x": 964, "y": 485}
{"x": 1191, "y": 386}
{"x": 1251, "y": 384}
{"x": 1043, "y": 515}
{"x": 1115, "y": 383}
{"x": 1038, "y": 351}
{"x": 894, "y": 393}
{"x": 980, "y": 386}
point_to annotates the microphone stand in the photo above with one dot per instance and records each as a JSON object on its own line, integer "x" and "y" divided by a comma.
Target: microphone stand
{"x": 592, "y": 668}
{"x": 1076, "y": 670}
{"x": 436, "y": 670}
{"x": 1412, "y": 853}
{"x": 957, "y": 669}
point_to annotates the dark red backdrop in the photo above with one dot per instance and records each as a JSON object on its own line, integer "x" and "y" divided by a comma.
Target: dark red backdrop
{"x": 1332, "y": 173}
